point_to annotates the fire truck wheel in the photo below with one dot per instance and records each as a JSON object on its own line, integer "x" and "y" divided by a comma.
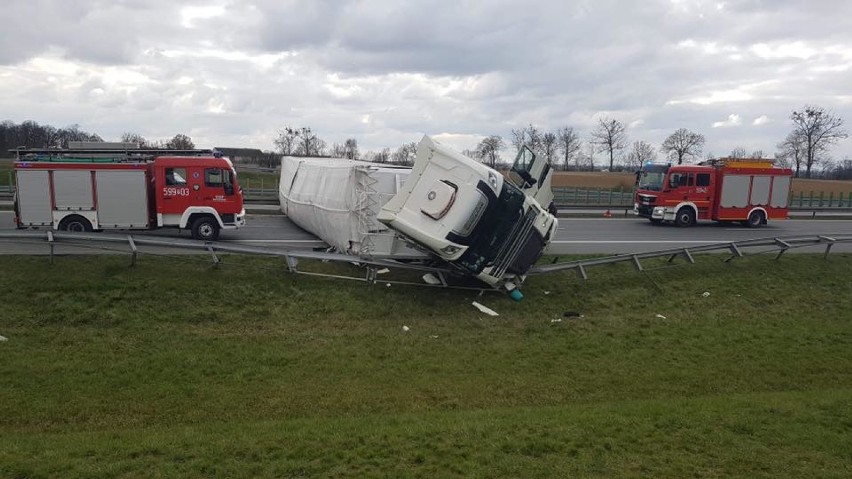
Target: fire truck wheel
{"x": 685, "y": 217}
{"x": 75, "y": 223}
{"x": 755, "y": 219}
{"x": 205, "y": 228}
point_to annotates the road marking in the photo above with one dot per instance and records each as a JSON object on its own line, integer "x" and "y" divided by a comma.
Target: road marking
{"x": 638, "y": 242}
{"x": 275, "y": 241}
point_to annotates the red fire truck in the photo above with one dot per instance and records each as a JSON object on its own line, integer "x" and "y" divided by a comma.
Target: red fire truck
{"x": 750, "y": 191}
{"x": 95, "y": 190}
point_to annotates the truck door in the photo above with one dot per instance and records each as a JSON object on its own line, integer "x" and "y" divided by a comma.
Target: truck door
{"x": 218, "y": 190}
{"x": 532, "y": 176}
{"x": 173, "y": 191}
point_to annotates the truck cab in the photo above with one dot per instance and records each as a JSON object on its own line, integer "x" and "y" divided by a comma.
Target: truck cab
{"x": 201, "y": 194}
{"x": 479, "y": 221}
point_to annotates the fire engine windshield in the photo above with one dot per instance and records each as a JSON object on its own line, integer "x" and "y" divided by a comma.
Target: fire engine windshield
{"x": 652, "y": 176}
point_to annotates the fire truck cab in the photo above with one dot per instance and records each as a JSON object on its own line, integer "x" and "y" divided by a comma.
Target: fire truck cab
{"x": 750, "y": 191}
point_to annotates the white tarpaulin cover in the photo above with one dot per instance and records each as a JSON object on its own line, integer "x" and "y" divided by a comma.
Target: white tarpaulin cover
{"x": 338, "y": 199}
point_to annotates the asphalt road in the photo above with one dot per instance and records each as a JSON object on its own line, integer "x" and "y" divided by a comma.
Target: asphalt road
{"x": 575, "y": 235}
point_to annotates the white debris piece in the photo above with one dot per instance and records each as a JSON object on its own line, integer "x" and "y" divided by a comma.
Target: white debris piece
{"x": 557, "y": 320}
{"x": 3, "y": 338}
{"x": 485, "y": 309}
{"x": 434, "y": 336}
{"x": 383, "y": 271}
{"x": 430, "y": 278}
{"x": 546, "y": 293}
{"x": 387, "y": 284}
{"x": 705, "y": 294}
{"x": 405, "y": 328}
{"x": 661, "y": 316}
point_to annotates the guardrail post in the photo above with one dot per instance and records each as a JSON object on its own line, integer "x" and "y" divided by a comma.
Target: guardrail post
{"x": 132, "y": 251}
{"x": 820, "y": 198}
{"x": 811, "y": 200}
{"x": 50, "y": 242}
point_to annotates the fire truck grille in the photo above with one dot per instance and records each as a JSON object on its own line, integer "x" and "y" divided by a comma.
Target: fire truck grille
{"x": 645, "y": 210}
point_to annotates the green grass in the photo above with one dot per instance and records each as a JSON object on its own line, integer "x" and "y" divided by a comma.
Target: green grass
{"x": 179, "y": 368}
{"x": 255, "y": 179}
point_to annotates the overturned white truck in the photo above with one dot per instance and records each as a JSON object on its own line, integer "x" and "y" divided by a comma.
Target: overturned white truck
{"x": 466, "y": 214}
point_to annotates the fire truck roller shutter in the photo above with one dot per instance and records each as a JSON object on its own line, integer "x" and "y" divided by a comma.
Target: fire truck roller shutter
{"x": 780, "y": 191}
{"x": 760, "y": 190}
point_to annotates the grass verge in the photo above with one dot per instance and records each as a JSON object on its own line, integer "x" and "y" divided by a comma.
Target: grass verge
{"x": 177, "y": 368}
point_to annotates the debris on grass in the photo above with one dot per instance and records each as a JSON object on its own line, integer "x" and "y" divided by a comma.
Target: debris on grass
{"x": 705, "y": 294}
{"x": 383, "y": 271}
{"x": 405, "y": 328}
{"x": 3, "y": 338}
{"x": 485, "y": 309}
{"x": 556, "y": 320}
{"x": 660, "y": 316}
{"x": 430, "y": 278}
{"x": 572, "y": 314}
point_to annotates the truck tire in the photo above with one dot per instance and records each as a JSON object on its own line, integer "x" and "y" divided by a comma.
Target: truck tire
{"x": 755, "y": 219}
{"x": 75, "y": 223}
{"x": 205, "y": 228}
{"x": 685, "y": 217}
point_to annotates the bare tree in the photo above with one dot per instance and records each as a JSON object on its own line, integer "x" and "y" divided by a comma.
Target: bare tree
{"x": 530, "y": 136}
{"x": 792, "y": 151}
{"x": 640, "y": 153}
{"x": 818, "y": 129}
{"x": 404, "y": 155}
{"x": 683, "y": 144}
{"x": 381, "y": 156}
{"x": 180, "y": 142}
{"x": 548, "y": 146}
{"x": 489, "y": 148}
{"x": 135, "y": 138}
{"x": 610, "y": 136}
{"x": 306, "y": 142}
{"x": 286, "y": 141}
{"x": 351, "y": 149}
{"x": 568, "y": 142}
{"x": 738, "y": 152}
{"x": 757, "y": 154}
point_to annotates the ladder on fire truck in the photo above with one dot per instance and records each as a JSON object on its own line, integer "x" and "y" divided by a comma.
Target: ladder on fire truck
{"x": 103, "y": 155}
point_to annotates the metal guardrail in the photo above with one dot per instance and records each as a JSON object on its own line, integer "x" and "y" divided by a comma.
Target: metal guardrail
{"x": 292, "y": 257}
{"x": 737, "y": 248}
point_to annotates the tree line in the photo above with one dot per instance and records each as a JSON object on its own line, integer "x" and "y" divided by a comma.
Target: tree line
{"x": 30, "y": 134}
{"x": 805, "y": 148}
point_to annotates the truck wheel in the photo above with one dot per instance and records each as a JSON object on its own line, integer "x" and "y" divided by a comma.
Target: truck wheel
{"x": 205, "y": 228}
{"x": 685, "y": 217}
{"x": 755, "y": 219}
{"x": 75, "y": 223}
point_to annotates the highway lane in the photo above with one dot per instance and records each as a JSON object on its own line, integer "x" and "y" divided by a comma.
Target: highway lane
{"x": 575, "y": 236}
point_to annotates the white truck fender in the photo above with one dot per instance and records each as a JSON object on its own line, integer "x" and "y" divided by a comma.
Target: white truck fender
{"x": 184, "y": 219}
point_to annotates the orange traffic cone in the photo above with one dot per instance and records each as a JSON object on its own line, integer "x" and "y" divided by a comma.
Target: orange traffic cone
{"x": 607, "y": 214}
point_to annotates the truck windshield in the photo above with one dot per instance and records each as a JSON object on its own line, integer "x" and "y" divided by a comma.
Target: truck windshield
{"x": 652, "y": 176}
{"x": 494, "y": 229}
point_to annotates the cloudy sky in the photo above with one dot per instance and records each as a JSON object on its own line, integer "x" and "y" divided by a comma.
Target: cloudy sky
{"x": 385, "y": 72}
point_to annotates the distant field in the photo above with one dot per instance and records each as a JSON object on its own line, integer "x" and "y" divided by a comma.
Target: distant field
{"x": 177, "y": 368}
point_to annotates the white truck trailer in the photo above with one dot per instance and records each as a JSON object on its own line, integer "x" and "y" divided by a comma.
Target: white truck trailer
{"x": 338, "y": 201}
